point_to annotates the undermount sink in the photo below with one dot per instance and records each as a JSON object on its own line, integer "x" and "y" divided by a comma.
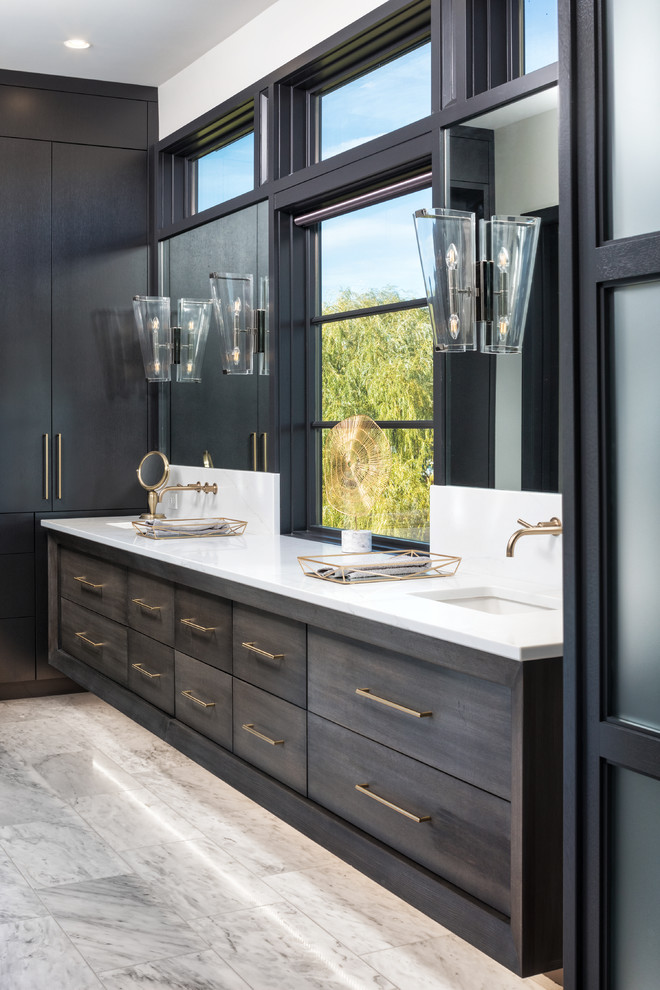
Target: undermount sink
{"x": 493, "y": 600}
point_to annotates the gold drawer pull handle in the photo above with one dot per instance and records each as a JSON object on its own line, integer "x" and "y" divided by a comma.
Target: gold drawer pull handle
{"x": 366, "y": 693}
{"x": 88, "y": 584}
{"x": 262, "y": 653}
{"x": 138, "y": 666}
{"x": 194, "y": 625}
{"x": 364, "y": 789}
{"x": 249, "y": 727}
{"x": 89, "y": 642}
{"x": 151, "y": 608}
{"x": 198, "y": 701}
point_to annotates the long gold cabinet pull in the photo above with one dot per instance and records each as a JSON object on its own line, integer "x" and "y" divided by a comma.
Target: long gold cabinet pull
{"x": 150, "y": 608}
{"x": 263, "y": 653}
{"x": 249, "y": 727}
{"x": 253, "y": 438}
{"x": 88, "y": 584}
{"x": 147, "y": 673}
{"x": 58, "y": 442}
{"x": 264, "y": 440}
{"x": 198, "y": 701}
{"x": 366, "y": 693}
{"x": 195, "y": 625}
{"x": 364, "y": 789}
{"x": 90, "y": 642}
{"x": 46, "y": 466}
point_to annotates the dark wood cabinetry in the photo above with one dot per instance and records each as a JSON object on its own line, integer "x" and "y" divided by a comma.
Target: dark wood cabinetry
{"x": 434, "y": 768}
{"x": 74, "y": 202}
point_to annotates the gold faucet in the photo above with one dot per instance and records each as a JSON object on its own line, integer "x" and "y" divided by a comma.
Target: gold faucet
{"x": 157, "y": 496}
{"x": 552, "y": 527}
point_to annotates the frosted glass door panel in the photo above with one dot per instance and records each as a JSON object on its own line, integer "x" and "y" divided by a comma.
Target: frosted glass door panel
{"x": 635, "y": 891}
{"x": 633, "y": 113}
{"x": 634, "y": 495}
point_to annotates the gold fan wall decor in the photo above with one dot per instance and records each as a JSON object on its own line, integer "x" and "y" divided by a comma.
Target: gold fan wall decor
{"x": 356, "y": 468}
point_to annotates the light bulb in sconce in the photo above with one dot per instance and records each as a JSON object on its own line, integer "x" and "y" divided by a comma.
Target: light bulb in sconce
{"x": 451, "y": 259}
{"x": 503, "y": 261}
{"x": 155, "y": 327}
{"x": 191, "y": 328}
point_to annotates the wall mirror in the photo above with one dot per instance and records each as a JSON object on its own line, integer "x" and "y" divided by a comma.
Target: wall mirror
{"x": 501, "y": 414}
{"x": 223, "y": 420}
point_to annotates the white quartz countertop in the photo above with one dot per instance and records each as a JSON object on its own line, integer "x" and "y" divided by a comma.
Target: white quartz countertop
{"x": 270, "y": 563}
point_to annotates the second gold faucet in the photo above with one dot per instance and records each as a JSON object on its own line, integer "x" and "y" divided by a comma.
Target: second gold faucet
{"x": 552, "y": 527}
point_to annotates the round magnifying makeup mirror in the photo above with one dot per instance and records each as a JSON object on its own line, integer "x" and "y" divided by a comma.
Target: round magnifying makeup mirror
{"x": 153, "y": 472}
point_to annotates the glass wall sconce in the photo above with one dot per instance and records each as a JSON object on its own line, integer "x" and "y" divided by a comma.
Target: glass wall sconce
{"x": 189, "y": 338}
{"x": 446, "y": 242}
{"x": 232, "y": 302}
{"x": 152, "y": 316}
{"x": 262, "y": 340}
{"x": 493, "y": 293}
{"x": 508, "y": 252}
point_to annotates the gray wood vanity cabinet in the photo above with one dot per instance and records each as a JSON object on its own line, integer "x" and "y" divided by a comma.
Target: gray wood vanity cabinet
{"x": 433, "y": 768}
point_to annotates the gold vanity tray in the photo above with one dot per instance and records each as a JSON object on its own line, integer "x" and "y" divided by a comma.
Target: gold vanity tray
{"x": 200, "y": 529}
{"x": 380, "y": 565}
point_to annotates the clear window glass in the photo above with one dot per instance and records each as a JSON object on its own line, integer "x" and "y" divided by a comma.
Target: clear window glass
{"x": 540, "y": 40}
{"x": 394, "y": 94}
{"x": 370, "y": 251}
{"x": 225, "y": 173}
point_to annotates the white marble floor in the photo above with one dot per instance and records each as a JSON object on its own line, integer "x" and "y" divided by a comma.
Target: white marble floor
{"x": 124, "y": 865}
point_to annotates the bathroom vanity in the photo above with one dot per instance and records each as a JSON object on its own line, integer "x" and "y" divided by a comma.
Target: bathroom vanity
{"x": 418, "y": 740}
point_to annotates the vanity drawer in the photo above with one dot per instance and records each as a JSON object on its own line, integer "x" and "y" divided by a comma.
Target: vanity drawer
{"x": 202, "y": 698}
{"x": 271, "y": 652}
{"x": 271, "y": 734}
{"x": 202, "y": 627}
{"x": 94, "y": 639}
{"x": 465, "y": 838}
{"x": 94, "y": 584}
{"x": 452, "y": 721}
{"x": 150, "y": 606}
{"x": 151, "y": 670}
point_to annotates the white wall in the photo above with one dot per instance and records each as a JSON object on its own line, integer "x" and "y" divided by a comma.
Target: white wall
{"x": 526, "y": 157}
{"x": 279, "y": 34}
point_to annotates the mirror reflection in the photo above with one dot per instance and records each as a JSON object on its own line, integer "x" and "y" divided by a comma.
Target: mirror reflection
{"x": 223, "y": 419}
{"x": 502, "y": 412}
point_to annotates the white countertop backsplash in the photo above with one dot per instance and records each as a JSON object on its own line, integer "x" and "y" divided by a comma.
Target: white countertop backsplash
{"x": 269, "y": 562}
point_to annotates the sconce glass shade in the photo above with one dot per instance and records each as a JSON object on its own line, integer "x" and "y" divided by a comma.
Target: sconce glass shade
{"x": 232, "y": 302}
{"x": 152, "y": 317}
{"x": 508, "y": 245}
{"x": 446, "y": 242}
{"x": 194, "y": 318}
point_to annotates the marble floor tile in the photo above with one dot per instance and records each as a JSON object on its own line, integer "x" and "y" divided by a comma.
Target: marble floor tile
{"x": 265, "y": 844}
{"x": 196, "y": 794}
{"x": 36, "y": 954}
{"x": 89, "y": 771}
{"x": 24, "y": 796}
{"x": 202, "y": 971}
{"x": 53, "y": 853}
{"x": 117, "y": 922}
{"x": 444, "y": 963}
{"x": 278, "y": 947}
{"x": 197, "y": 878}
{"x": 130, "y": 819}
{"x": 35, "y": 738}
{"x": 17, "y": 899}
{"x": 355, "y": 909}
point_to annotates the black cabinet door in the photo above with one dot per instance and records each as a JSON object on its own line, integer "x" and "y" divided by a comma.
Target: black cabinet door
{"x": 25, "y": 277}
{"x": 99, "y": 264}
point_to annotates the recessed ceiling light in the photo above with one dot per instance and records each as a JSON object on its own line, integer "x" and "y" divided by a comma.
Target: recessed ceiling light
{"x": 77, "y": 43}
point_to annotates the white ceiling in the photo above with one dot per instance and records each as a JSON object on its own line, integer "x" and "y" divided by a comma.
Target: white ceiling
{"x": 144, "y": 42}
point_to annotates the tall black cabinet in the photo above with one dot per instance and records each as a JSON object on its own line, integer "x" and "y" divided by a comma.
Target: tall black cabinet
{"x": 74, "y": 202}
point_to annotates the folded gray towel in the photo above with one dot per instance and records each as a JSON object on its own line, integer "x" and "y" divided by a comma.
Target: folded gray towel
{"x": 196, "y": 527}
{"x": 398, "y": 567}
